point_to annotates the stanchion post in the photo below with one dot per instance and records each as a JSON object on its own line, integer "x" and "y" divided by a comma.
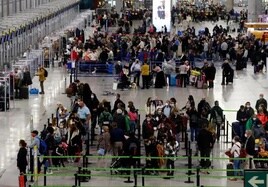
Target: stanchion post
{"x": 135, "y": 179}
{"x": 52, "y": 117}
{"x": 45, "y": 176}
{"x": 142, "y": 178}
{"x": 225, "y": 126}
{"x": 198, "y": 177}
{"x": 75, "y": 180}
{"x": 129, "y": 174}
{"x": 250, "y": 163}
{"x": 189, "y": 173}
{"x": 186, "y": 144}
{"x": 227, "y": 132}
{"x": 48, "y": 121}
{"x": 139, "y": 127}
{"x": 71, "y": 77}
{"x": 79, "y": 177}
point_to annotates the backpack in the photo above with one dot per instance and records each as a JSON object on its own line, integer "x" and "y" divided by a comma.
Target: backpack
{"x": 218, "y": 118}
{"x": 194, "y": 118}
{"x": 42, "y": 147}
{"x": 45, "y": 72}
{"x": 258, "y": 131}
{"x": 57, "y": 139}
{"x": 106, "y": 119}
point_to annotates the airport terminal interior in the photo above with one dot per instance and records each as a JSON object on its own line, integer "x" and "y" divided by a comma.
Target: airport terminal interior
{"x": 24, "y": 115}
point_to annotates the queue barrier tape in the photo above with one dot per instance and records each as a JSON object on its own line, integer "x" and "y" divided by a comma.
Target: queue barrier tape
{"x": 150, "y": 157}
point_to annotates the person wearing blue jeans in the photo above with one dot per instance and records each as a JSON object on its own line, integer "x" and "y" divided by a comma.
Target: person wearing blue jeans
{"x": 193, "y": 115}
{"x": 235, "y": 151}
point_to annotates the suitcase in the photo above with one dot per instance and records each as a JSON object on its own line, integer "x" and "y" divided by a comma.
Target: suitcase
{"x": 24, "y": 93}
{"x": 173, "y": 81}
{"x": 230, "y": 170}
{"x": 200, "y": 84}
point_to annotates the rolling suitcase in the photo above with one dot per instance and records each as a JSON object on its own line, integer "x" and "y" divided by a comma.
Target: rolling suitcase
{"x": 24, "y": 92}
{"x": 173, "y": 81}
{"x": 200, "y": 84}
{"x": 230, "y": 170}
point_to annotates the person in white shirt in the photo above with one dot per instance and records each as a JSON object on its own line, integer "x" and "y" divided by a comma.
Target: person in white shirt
{"x": 224, "y": 47}
{"x": 235, "y": 151}
{"x": 183, "y": 74}
{"x": 205, "y": 49}
{"x": 136, "y": 70}
{"x": 141, "y": 44}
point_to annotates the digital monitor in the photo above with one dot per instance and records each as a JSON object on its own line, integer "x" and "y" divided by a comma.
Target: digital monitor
{"x": 162, "y": 14}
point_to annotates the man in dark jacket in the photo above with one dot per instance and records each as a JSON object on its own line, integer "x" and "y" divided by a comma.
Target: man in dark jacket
{"x": 120, "y": 119}
{"x": 261, "y": 101}
{"x": 241, "y": 116}
{"x": 250, "y": 149}
{"x": 118, "y": 101}
{"x": 217, "y": 118}
{"x": 210, "y": 75}
{"x": 205, "y": 143}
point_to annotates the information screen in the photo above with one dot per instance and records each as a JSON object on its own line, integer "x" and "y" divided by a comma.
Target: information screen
{"x": 161, "y": 14}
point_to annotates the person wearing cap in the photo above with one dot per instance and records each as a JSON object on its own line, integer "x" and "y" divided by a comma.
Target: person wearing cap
{"x": 261, "y": 101}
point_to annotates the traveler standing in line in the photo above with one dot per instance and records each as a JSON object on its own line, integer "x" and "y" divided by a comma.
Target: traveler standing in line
{"x": 35, "y": 142}
{"x": 235, "y": 151}
{"x": 205, "y": 142}
{"x": 183, "y": 74}
{"x": 217, "y": 118}
{"x": 22, "y": 158}
{"x": 41, "y": 74}
{"x": 250, "y": 149}
{"x": 136, "y": 70}
{"x": 261, "y": 101}
{"x": 145, "y": 73}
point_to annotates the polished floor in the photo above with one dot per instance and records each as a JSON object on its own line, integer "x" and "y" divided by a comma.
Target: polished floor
{"x": 25, "y": 115}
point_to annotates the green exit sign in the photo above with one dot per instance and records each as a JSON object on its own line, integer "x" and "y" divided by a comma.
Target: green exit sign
{"x": 255, "y": 178}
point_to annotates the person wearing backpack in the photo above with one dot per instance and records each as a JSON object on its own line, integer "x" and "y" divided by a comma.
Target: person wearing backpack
{"x": 131, "y": 148}
{"x": 50, "y": 141}
{"x": 105, "y": 118}
{"x": 193, "y": 116}
{"x": 35, "y": 142}
{"x": 216, "y": 117}
{"x": 41, "y": 73}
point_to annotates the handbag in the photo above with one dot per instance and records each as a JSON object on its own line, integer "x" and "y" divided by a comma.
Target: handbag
{"x": 101, "y": 152}
{"x": 230, "y": 155}
{"x": 243, "y": 153}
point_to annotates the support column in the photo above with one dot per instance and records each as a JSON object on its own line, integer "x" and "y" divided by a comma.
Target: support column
{"x": 229, "y": 5}
{"x": 254, "y": 10}
{"x": 118, "y": 5}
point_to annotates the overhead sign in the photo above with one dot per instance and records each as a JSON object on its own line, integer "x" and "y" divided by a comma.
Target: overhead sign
{"x": 256, "y": 178}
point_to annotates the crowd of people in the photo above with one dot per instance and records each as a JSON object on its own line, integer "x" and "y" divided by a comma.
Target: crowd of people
{"x": 71, "y": 130}
{"x": 250, "y": 134}
{"x": 163, "y": 123}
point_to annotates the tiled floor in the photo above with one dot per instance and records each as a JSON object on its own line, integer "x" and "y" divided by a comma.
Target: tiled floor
{"x": 16, "y": 124}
